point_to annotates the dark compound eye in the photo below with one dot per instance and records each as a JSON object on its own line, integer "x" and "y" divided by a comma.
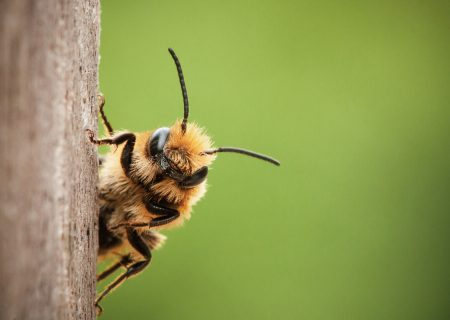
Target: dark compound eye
{"x": 156, "y": 149}
{"x": 158, "y": 141}
{"x": 198, "y": 177}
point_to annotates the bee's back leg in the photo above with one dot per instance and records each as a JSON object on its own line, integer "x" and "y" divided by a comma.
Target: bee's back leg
{"x": 123, "y": 262}
{"x": 139, "y": 244}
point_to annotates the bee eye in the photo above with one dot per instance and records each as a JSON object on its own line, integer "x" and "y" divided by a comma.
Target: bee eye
{"x": 198, "y": 177}
{"x": 158, "y": 141}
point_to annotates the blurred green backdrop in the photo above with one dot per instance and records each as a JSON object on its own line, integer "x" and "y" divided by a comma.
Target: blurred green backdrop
{"x": 353, "y": 98}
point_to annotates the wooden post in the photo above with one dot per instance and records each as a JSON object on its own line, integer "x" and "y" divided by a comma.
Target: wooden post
{"x": 48, "y": 169}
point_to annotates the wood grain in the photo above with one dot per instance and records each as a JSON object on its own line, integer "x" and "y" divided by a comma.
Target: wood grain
{"x": 48, "y": 170}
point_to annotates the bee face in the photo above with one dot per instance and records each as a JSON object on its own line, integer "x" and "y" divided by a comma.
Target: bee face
{"x": 180, "y": 154}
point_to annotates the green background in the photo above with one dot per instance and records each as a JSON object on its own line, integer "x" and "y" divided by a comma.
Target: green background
{"x": 352, "y": 97}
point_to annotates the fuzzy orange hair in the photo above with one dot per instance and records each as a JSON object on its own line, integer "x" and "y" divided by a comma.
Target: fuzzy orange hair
{"x": 186, "y": 149}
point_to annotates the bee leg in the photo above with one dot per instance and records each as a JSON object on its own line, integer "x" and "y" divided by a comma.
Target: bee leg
{"x": 121, "y": 138}
{"x": 106, "y": 124}
{"x": 124, "y": 262}
{"x": 165, "y": 214}
{"x": 139, "y": 244}
{"x": 162, "y": 220}
{"x": 127, "y": 152}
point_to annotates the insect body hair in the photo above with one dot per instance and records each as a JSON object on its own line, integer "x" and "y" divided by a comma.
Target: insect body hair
{"x": 185, "y": 150}
{"x": 149, "y": 181}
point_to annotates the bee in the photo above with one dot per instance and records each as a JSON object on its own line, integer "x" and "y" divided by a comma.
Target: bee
{"x": 149, "y": 181}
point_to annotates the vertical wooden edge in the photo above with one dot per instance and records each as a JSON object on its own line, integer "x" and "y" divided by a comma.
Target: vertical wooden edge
{"x": 84, "y": 206}
{"x": 49, "y": 55}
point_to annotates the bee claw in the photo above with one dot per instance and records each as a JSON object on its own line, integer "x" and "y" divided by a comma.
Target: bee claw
{"x": 90, "y": 134}
{"x": 98, "y": 309}
{"x": 101, "y": 99}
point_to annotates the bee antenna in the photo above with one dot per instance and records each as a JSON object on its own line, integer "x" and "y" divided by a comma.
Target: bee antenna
{"x": 245, "y": 152}
{"x": 183, "y": 89}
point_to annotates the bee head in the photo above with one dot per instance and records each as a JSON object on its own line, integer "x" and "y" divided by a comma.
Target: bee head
{"x": 183, "y": 152}
{"x": 179, "y": 153}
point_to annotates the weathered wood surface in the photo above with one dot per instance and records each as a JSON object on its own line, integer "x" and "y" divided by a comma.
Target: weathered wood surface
{"x": 48, "y": 87}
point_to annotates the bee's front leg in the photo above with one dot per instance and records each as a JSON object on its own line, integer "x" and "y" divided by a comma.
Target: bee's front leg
{"x": 116, "y": 140}
{"x": 164, "y": 213}
{"x": 126, "y": 156}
